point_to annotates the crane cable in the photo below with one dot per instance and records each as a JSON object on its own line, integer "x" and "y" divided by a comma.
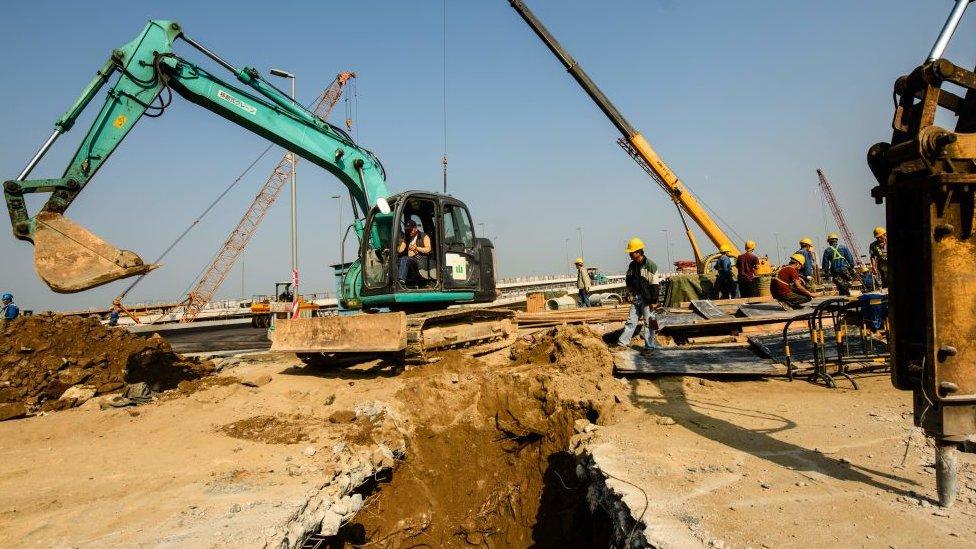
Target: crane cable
{"x": 444, "y": 90}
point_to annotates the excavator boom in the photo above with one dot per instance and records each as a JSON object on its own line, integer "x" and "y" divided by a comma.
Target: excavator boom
{"x": 67, "y": 256}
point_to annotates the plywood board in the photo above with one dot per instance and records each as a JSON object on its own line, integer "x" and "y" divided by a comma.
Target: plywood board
{"x": 707, "y": 309}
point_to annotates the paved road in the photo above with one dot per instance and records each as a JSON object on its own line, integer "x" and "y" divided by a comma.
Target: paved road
{"x": 222, "y": 338}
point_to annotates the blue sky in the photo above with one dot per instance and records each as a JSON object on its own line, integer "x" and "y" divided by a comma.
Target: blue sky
{"x": 745, "y": 100}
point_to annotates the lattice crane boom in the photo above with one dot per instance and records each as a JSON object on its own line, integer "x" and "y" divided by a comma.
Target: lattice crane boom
{"x": 215, "y": 274}
{"x": 835, "y": 209}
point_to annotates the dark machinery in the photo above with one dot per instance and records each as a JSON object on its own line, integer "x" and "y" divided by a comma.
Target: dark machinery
{"x": 927, "y": 180}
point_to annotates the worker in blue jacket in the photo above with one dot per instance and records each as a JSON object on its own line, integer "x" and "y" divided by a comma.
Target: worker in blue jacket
{"x": 838, "y": 264}
{"x": 10, "y": 311}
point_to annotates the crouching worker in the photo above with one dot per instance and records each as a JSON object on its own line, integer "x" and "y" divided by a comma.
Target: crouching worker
{"x": 788, "y": 286}
{"x": 643, "y": 286}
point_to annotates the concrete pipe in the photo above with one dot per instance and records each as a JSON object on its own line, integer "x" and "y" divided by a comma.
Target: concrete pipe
{"x": 559, "y": 303}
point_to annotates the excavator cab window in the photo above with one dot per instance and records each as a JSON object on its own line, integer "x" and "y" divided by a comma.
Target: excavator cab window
{"x": 376, "y": 257}
{"x": 460, "y": 264}
{"x": 423, "y": 212}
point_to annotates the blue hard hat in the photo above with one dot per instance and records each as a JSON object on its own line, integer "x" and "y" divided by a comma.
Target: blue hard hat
{"x": 8, "y": 297}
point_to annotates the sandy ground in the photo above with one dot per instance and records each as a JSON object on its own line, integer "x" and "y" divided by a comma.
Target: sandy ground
{"x": 163, "y": 474}
{"x": 728, "y": 464}
{"x": 779, "y": 464}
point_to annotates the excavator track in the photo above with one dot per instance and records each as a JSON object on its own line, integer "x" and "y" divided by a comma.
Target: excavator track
{"x": 471, "y": 331}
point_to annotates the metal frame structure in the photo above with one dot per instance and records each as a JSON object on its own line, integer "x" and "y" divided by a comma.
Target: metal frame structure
{"x": 835, "y": 209}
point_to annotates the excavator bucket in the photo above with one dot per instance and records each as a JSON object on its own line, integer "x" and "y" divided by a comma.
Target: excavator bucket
{"x": 69, "y": 258}
{"x": 380, "y": 332}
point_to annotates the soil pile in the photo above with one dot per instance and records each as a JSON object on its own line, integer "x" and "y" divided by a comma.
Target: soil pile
{"x": 41, "y": 357}
{"x": 486, "y": 458}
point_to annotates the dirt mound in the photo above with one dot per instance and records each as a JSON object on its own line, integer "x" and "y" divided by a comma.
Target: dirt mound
{"x": 43, "y": 356}
{"x": 486, "y": 461}
{"x": 267, "y": 429}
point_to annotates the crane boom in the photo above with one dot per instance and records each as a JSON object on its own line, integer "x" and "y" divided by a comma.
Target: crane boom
{"x": 660, "y": 172}
{"x": 204, "y": 290}
{"x": 828, "y": 193}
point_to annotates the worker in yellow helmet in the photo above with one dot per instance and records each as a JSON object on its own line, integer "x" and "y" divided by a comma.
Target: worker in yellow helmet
{"x": 582, "y": 283}
{"x": 725, "y": 281}
{"x": 809, "y": 268}
{"x": 879, "y": 256}
{"x": 746, "y": 265}
{"x": 788, "y": 285}
{"x": 645, "y": 290}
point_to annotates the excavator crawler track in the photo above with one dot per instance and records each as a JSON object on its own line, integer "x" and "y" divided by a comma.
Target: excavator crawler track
{"x": 471, "y": 331}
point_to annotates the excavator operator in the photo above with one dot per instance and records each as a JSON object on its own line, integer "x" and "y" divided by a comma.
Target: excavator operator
{"x": 413, "y": 247}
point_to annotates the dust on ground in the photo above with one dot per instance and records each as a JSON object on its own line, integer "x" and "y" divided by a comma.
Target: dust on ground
{"x": 486, "y": 451}
{"x": 43, "y": 356}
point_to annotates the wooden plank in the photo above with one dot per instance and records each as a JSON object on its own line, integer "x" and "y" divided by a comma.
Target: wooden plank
{"x": 707, "y": 309}
{"x": 724, "y": 361}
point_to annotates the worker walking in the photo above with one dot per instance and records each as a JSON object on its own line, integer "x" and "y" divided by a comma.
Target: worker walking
{"x": 808, "y": 270}
{"x": 725, "y": 281}
{"x": 788, "y": 286}
{"x": 643, "y": 286}
{"x": 582, "y": 283}
{"x": 838, "y": 264}
{"x": 747, "y": 264}
{"x": 10, "y": 310}
{"x": 879, "y": 256}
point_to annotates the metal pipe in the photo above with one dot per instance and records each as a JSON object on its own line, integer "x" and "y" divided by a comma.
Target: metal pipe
{"x": 40, "y": 154}
{"x": 209, "y": 53}
{"x": 955, "y": 16}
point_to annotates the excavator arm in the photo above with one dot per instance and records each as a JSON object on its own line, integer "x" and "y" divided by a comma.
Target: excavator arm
{"x": 67, "y": 256}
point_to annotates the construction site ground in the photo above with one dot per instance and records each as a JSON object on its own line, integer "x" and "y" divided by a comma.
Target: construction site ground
{"x": 246, "y": 458}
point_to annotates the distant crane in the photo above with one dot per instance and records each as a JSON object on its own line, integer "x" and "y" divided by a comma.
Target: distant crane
{"x": 828, "y": 193}
{"x": 220, "y": 267}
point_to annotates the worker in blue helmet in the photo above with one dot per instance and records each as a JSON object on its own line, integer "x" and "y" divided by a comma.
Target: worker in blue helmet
{"x": 10, "y": 311}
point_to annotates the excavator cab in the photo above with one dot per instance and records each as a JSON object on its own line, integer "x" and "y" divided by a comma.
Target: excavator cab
{"x": 450, "y": 265}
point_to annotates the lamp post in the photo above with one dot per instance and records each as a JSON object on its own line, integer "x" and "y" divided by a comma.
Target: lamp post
{"x": 566, "y": 242}
{"x": 481, "y": 228}
{"x": 342, "y": 254}
{"x": 779, "y": 256}
{"x": 580, "y": 230}
{"x": 294, "y": 205}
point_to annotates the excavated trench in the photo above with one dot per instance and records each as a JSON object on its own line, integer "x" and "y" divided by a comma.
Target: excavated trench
{"x": 489, "y": 457}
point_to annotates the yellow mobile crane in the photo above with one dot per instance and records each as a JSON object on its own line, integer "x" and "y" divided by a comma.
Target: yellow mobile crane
{"x": 641, "y": 151}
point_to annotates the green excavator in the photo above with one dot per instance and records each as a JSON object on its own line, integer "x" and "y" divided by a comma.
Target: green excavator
{"x": 408, "y": 316}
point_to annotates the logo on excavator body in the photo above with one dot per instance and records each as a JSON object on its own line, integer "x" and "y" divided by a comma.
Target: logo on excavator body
{"x": 120, "y": 121}
{"x": 236, "y": 102}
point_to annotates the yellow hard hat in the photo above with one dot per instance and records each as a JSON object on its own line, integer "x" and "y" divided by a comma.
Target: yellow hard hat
{"x": 879, "y": 231}
{"x": 579, "y": 261}
{"x": 799, "y": 258}
{"x": 865, "y": 268}
{"x": 832, "y": 236}
{"x": 634, "y": 244}
{"x": 750, "y": 245}
{"x": 725, "y": 248}
{"x": 806, "y": 241}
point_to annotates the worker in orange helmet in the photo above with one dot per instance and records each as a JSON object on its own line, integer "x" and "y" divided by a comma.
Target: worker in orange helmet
{"x": 746, "y": 265}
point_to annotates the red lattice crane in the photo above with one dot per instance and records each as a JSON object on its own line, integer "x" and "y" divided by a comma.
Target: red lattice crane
{"x": 223, "y": 262}
{"x": 828, "y": 193}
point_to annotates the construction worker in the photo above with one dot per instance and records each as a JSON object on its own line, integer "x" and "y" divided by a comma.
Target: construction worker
{"x": 746, "y": 264}
{"x": 879, "y": 256}
{"x": 582, "y": 283}
{"x": 725, "y": 282}
{"x": 412, "y": 246}
{"x": 808, "y": 270}
{"x": 788, "y": 285}
{"x": 10, "y": 311}
{"x": 838, "y": 264}
{"x": 869, "y": 282}
{"x": 643, "y": 285}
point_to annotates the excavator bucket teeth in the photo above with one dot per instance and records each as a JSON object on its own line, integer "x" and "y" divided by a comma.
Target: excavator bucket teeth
{"x": 69, "y": 258}
{"x": 380, "y": 332}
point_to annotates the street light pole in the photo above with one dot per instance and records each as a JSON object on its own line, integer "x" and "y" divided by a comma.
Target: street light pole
{"x": 294, "y": 205}
{"x": 580, "y": 230}
{"x": 779, "y": 256}
{"x": 342, "y": 255}
{"x": 566, "y": 242}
